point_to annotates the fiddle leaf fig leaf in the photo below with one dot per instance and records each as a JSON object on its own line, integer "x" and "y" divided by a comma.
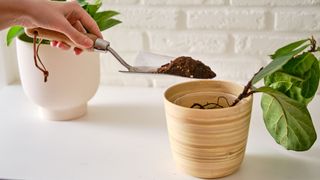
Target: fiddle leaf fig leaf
{"x": 301, "y": 64}
{"x": 310, "y": 85}
{"x": 288, "y": 48}
{"x": 298, "y": 79}
{"x": 287, "y": 120}
{"x": 277, "y": 64}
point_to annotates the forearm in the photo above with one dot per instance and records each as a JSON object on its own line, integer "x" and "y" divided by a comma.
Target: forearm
{"x": 15, "y": 12}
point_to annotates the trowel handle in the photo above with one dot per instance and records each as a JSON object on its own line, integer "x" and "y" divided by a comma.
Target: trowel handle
{"x": 54, "y": 35}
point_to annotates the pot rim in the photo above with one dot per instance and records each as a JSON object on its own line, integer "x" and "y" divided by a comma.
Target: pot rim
{"x": 243, "y": 102}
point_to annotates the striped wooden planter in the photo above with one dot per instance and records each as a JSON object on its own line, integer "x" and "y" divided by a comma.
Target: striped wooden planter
{"x": 207, "y": 143}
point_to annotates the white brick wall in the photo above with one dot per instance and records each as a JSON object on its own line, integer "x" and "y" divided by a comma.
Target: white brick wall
{"x": 235, "y": 37}
{"x": 226, "y": 19}
{"x": 298, "y": 20}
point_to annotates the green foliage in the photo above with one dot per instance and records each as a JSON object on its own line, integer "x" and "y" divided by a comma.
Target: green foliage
{"x": 287, "y": 120}
{"x": 298, "y": 78}
{"x": 291, "y": 81}
{"x": 104, "y": 20}
{"x": 288, "y": 48}
{"x": 14, "y": 32}
{"x": 277, "y": 63}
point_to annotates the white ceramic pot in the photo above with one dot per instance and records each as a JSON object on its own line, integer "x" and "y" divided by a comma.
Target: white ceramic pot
{"x": 72, "y": 82}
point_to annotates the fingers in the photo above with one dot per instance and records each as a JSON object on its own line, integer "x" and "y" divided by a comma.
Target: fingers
{"x": 64, "y": 46}
{"x": 88, "y": 22}
{"x": 78, "y": 38}
{"x": 53, "y": 43}
{"x": 60, "y": 45}
{"x": 79, "y": 26}
{"x": 77, "y": 51}
{"x": 74, "y": 23}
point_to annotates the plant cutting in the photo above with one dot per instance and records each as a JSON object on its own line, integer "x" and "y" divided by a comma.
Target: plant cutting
{"x": 208, "y": 121}
{"x": 70, "y": 80}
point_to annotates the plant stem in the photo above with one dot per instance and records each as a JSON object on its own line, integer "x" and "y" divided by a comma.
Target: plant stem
{"x": 247, "y": 91}
{"x": 313, "y": 44}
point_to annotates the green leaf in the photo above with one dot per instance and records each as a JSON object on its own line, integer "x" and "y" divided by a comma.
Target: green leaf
{"x": 301, "y": 64}
{"x": 92, "y": 8}
{"x": 288, "y": 48}
{"x": 277, "y": 64}
{"x": 281, "y": 76}
{"x": 302, "y": 82}
{"x": 295, "y": 92}
{"x": 14, "y": 32}
{"x": 287, "y": 120}
{"x": 288, "y": 84}
{"x": 100, "y": 16}
{"x": 310, "y": 85}
{"x": 106, "y": 24}
{"x": 305, "y": 66}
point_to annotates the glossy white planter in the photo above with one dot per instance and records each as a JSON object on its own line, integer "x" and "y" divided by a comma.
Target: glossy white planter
{"x": 72, "y": 82}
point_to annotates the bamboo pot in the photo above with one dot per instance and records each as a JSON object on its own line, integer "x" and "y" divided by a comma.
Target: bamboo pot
{"x": 207, "y": 143}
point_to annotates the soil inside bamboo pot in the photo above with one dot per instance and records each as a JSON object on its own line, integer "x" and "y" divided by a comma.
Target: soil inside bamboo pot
{"x": 207, "y": 143}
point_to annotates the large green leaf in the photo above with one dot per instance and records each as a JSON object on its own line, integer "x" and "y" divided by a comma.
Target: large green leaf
{"x": 301, "y": 64}
{"x": 92, "y": 8}
{"x": 287, "y": 120}
{"x": 295, "y": 93}
{"x": 288, "y": 48}
{"x": 281, "y": 76}
{"x": 277, "y": 64}
{"x": 14, "y": 32}
{"x": 106, "y": 24}
{"x": 302, "y": 82}
{"x": 99, "y": 16}
{"x": 310, "y": 85}
{"x": 288, "y": 84}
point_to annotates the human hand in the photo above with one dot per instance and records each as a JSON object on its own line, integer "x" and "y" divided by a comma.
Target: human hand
{"x": 65, "y": 17}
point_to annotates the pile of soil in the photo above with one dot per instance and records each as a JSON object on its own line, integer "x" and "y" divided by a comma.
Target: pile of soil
{"x": 187, "y": 67}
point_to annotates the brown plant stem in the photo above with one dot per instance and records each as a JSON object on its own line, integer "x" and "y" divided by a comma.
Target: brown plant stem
{"x": 247, "y": 91}
{"x": 313, "y": 44}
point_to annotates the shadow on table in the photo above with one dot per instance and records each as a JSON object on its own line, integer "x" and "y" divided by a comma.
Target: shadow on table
{"x": 125, "y": 116}
{"x": 267, "y": 167}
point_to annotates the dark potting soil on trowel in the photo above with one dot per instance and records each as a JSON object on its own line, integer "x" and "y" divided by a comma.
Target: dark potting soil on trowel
{"x": 187, "y": 67}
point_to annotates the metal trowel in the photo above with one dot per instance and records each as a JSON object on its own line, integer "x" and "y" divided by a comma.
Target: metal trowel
{"x": 100, "y": 45}
{"x": 181, "y": 66}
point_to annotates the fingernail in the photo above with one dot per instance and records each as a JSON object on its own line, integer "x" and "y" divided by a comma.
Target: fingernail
{"x": 77, "y": 51}
{"x": 61, "y": 45}
{"x": 53, "y": 43}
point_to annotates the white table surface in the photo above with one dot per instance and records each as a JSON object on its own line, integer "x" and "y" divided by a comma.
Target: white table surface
{"x": 124, "y": 137}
